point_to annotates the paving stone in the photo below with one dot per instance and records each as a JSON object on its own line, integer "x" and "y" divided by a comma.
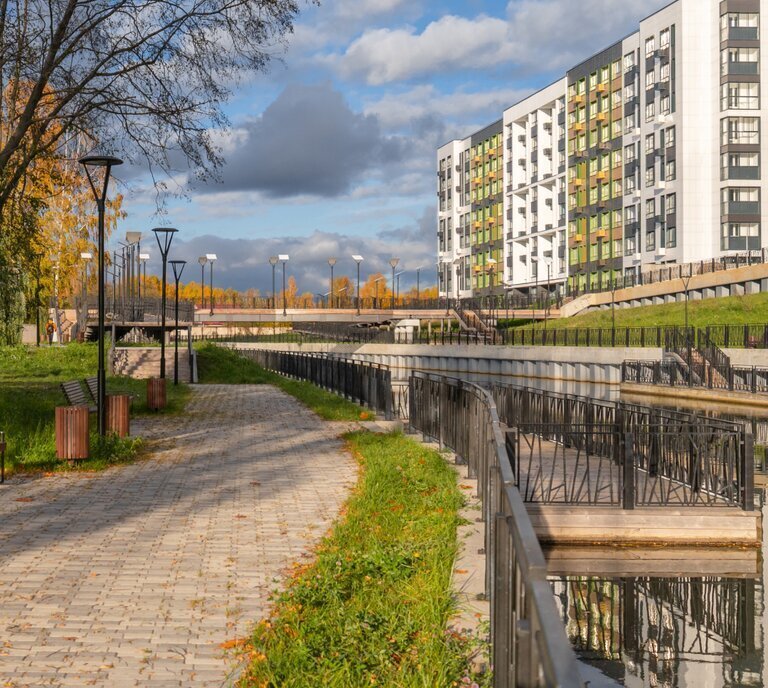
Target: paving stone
{"x": 135, "y": 576}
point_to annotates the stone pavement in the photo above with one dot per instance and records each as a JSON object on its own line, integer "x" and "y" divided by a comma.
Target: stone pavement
{"x": 137, "y": 575}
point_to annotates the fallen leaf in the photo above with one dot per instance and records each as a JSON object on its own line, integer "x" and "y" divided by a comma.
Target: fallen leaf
{"x": 240, "y": 516}
{"x": 255, "y": 482}
{"x": 462, "y": 571}
{"x": 25, "y": 499}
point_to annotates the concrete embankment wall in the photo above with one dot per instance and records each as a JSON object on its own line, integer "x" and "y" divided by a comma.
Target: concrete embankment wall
{"x": 564, "y": 364}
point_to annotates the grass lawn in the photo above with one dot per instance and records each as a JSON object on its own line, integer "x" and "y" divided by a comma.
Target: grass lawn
{"x": 218, "y": 365}
{"x": 731, "y": 310}
{"x": 373, "y": 608}
{"x": 29, "y": 392}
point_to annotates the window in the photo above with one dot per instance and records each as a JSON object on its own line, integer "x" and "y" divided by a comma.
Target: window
{"x": 664, "y": 73}
{"x": 739, "y": 61}
{"x": 592, "y": 81}
{"x": 664, "y": 39}
{"x": 669, "y": 237}
{"x": 650, "y": 241}
{"x": 650, "y": 79}
{"x": 670, "y": 171}
{"x": 740, "y": 131}
{"x": 629, "y": 185}
{"x": 650, "y": 143}
{"x": 616, "y": 98}
{"x": 740, "y": 96}
{"x": 669, "y": 137}
{"x": 616, "y": 69}
{"x": 650, "y": 176}
{"x": 664, "y": 105}
{"x": 671, "y": 203}
{"x": 630, "y": 244}
{"x": 740, "y": 236}
{"x": 650, "y": 207}
{"x": 616, "y": 158}
{"x": 650, "y": 111}
{"x": 605, "y": 74}
{"x": 629, "y": 124}
{"x": 630, "y": 215}
{"x": 629, "y": 153}
{"x": 630, "y": 91}
{"x": 740, "y": 165}
{"x": 740, "y": 26}
{"x": 650, "y": 46}
{"x": 629, "y": 62}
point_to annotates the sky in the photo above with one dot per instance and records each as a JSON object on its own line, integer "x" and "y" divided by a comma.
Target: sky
{"x": 332, "y": 152}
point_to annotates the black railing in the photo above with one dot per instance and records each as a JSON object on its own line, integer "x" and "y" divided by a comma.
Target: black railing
{"x": 368, "y": 384}
{"x": 753, "y": 336}
{"x": 338, "y": 332}
{"x": 529, "y": 645}
{"x": 565, "y": 448}
{"x": 147, "y": 309}
{"x": 672, "y": 374}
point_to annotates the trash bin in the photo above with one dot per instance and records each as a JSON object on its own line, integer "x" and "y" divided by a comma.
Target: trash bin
{"x": 71, "y": 424}
{"x": 119, "y": 414}
{"x": 156, "y": 393}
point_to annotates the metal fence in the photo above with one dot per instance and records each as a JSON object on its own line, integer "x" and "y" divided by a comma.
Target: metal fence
{"x": 572, "y": 449}
{"x": 528, "y": 641}
{"x": 147, "y": 309}
{"x": 368, "y": 384}
{"x": 672, "y": 373}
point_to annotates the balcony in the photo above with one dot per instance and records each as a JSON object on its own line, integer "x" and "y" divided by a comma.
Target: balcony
{"x": 742, "y": 172}
{"x": 741, "y": 208}
{"x": 740, "y": 68}
{"x": 742, "y": 33}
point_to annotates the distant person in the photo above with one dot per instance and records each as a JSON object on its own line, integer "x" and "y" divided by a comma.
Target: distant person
{"x": 49, "y": 329}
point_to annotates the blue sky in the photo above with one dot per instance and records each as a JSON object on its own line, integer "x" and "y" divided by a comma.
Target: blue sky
{"x": 333, "y": 151}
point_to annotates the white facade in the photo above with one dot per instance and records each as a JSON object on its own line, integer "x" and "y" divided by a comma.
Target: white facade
{"x": 535, "y": 215}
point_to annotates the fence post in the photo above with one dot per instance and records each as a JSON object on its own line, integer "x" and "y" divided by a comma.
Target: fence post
{"x": 628, "y": 471}
{"x": 748, "y": 471}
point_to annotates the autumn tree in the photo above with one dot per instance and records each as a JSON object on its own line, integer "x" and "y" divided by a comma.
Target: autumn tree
{"x": 147, "y": 79}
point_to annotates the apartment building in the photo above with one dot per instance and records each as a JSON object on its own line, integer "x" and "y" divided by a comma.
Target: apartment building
{"x": 646, "y": 153}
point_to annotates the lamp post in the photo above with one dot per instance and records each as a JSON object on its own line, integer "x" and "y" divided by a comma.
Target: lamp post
{"x": 178, "y": 268}
{"x": 331, "y": 263}
{"x": 397, "y": 292}
{"x": 548, "y": 263}
{"x": 358, "y": 259}
{"x": 376, "y": 295}
{"x": 535, "y": 265}
{"x": 37, "y": 257}
{"x": 143, "y": 258}
{"x": 613, "y": 311}
{"x": 211, "y": 258}
{"x": 686, "y": 282}
{"x": 164, "y": 236}
{"x": 134, "y": 241}
{"x": 418, "y": 285}
{"x": 284, "y": 258}
{"x": 393, "y": 263}
{"x": 95, "y": 164}
{"x": 340, "y": 292}
{"x": 273, "y": 260}
{"x": 202, "y": 260}
{"x": 86, "y": 257}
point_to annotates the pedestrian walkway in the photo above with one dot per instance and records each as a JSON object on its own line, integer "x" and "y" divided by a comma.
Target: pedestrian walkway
{"x": 136, "y": 576}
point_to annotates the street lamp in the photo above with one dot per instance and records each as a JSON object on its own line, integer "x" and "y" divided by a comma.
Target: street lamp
{"x": 211, "y": 258}
{"x": 100, "y": 166}
{"x": 376, "y": 287}
{"x": 340, "y": 292}
{"x": 178, "y": 268}
{"x": 273, "y": 260}
{"x": 358, "y": 259}
{"x": 134, "y": 241}
{"x": 535, "y": 265}
{"x": 397, "y": 277}
{"x": 331, "y": 263}
{"x": 548, "y": 263}
{"x": 86, "y": 257}
{"x": 143, "y": 258}
{"x": 284, "y": 258}
{"x": 164, "y": 236}
{"x": 37, "y": 257}
{"x": 393, "y": 263}
{"x": 686, "y": 282}
{"x": 202, "y": 260}
{"x": 418, "y": 285}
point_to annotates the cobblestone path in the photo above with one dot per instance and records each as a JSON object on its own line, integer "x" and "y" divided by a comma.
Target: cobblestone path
{"x": 137, "y": 575}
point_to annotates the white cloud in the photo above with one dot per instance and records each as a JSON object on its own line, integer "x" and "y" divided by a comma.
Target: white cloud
{"x": 538, "y": 35}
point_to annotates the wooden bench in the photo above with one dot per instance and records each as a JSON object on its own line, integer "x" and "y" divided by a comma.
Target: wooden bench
{"x": 92, "y": 383}
{"x": 73, "y": 391}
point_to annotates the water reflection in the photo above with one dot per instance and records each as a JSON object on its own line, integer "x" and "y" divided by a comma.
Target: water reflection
{"x": 687, "y": 632}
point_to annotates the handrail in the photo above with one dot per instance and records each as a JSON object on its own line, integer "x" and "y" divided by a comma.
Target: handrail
{"x": 529, "y": 643}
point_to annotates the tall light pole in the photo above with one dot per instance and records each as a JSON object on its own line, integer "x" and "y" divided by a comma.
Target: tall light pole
{"x": 202, "y": 260}
{"x": 98, "y": 169}
{"x": 134, "y": 241}
{"x": 393, "y": 264}
{"x": 284, "y": 258}
{"x": 340, "y": 292}
{"x": 37, "y": 257}
{"x": 358, "y": 259}
{"x": 164, "y": 236}
{"x": 418, "y": 286}
{"x": 686, "y": 282}
{"x": 143, "y": 258}
{"x": 397, "y": 277}
{"x": 331, "y": 263}
{"x": 178, "y": 268}
{"x": 548, "y": 263}
{"x": 273, "y": 260}
{"x": 535, "y": 265}
{"x": 376, "y": 287}
{"x": 211, "y": 257}
{"x": 86, "y": 257}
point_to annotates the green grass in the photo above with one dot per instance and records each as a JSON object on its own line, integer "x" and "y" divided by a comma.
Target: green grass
{"x": 218, "y": 365}
{"x": 29, "y": 392}
{"x": 373, "y": 608}
{"x": 731, "y": 310}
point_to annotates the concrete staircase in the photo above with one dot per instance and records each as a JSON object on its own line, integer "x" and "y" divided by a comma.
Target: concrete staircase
{"x": 144, "y": 362}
